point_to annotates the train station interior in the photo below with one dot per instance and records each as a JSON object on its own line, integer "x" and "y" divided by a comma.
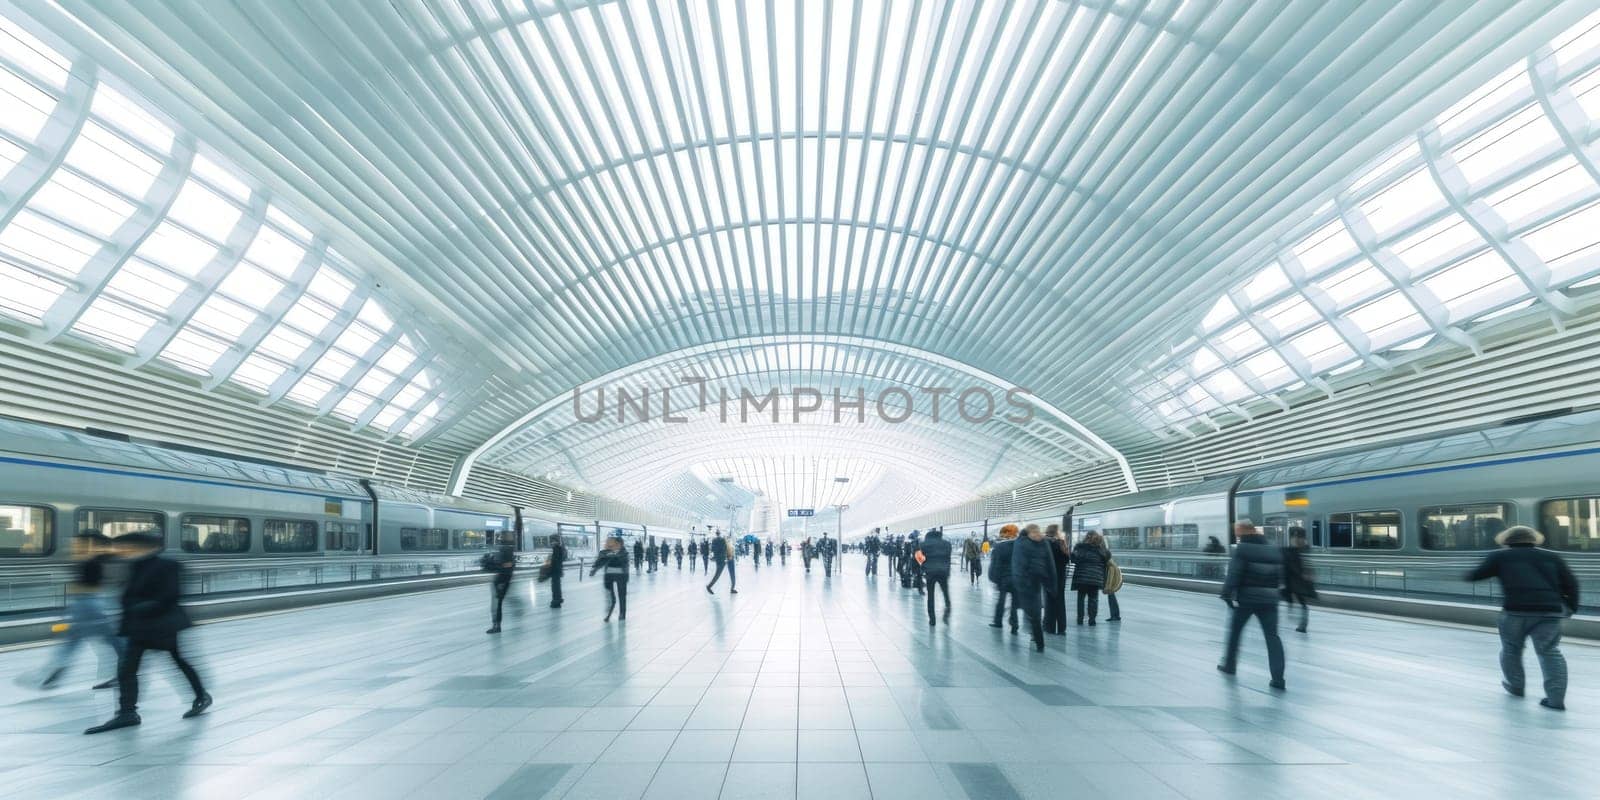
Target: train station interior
{"x": 682, "y": 398}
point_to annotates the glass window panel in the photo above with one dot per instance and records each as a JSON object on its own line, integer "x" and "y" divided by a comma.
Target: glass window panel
{"x": 1578, "y": 43}
{"x": 309, "y": 315}
{"x": 277, "y": 216}
{"x": 193, "y": 351}
{"x": 177, "y": 249}
{"x": 357, "y": 339}
{"x": 1412, "y": 197}
{"x": 407, "y": 397}
{"x": 220, "y": 177}
{"x": 352, "y": 405}
{"x": 1354, "y": 284}
{"x": 1240, "y": 340}
{"x": 27, "y": 296}
{"x": 146, "y": 284}
{"x": 27, "y": 530}
{"x": 113, "y": 323}
{"x": 27, "y": 107}
{"x": 424, "y": 539}
{"x": 1226, "y": 386}
{"x": 1269, "y": 370}
{"x": 1547, "y": 188}
{"x": 1463, "y": 527}
{"x": 1445, "y": 240}
{"x": 331, "y": 287}
{"x": 387, "y": 417}
{"x": 1587, "y": 91}
{"x": 1322, "y": 348}
{"x": 1291, "y": 315}
{"x": 284, "y": 343}
{"x": 10, "y": 155}
{"x": 1198, "y": 400}
{"x": 1326, "y": 248}
{"x": 1219, "y": 314}
{"x": 1267, "y": 283}
{"x": 205, "y": 212}
{"x": 113, "y": 523}
{"x": 1571, "y": 524}
{"x": 1405, "y": 153}
{"x": 374, "y": 316}
{"x": 81, "y": 204}
{"x": 375, "y": 381}
{"x": 1507, "y": 85}
{"x": 1526, "y": 133}
{"x": 1203, "y": 361}
{"x": 334, "y": 364}
{"x": 206, "y": 534}
{"x": 310, "y": 390}
{"x": 34, "y": 56}
{"x": 1365, "y": 530}
{"x": 1388, "y": 320}
{"x": 258, "y": 372}
{"x": 1567, "y": 245}
{"x": 248, "y": 284}
{"x": 275, "y": 251}
{"x": 130, "y": 117}
{"x": 1468, "y": 277}
{"x": 397, "y": 359}
{"x": 289, "y": 536}
{"x": 33, "y": 239}
{"x": 223, "y": 318}
{"x": 113, "y": 160}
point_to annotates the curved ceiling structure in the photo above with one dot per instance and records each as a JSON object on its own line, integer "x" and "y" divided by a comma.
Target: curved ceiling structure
{"x": 839, "y": 195}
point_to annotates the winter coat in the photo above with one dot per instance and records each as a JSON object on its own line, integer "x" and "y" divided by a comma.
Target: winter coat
{"x": 1090, "y": 569}
{"x": 1297, "y": 580}
{"x": 1534, "y": 580}
{"x": 151, "y": 615}
{"x": 936, "y": 556}
{"x": 1000, "y": 564}
{"x": 1063, "y": 564}
{"x": 1032, "y": 568}
{"x": 1255, "y": 572}
{"x": 719, "y": 549}
{"x": 614, "y": 562}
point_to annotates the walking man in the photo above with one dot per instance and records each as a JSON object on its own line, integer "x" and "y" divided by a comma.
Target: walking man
{"x": 1539, "y": 589}
{"x": 722, "y": 553}
{"x": 1255, "y": 574}
{"x": 935, "y": 557}
{"x": 502, "y": 562}
{"x": 558, "y": 562}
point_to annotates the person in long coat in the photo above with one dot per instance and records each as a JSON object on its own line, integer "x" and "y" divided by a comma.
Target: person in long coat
{"x": 1089, "y": 560}
{"x": 1000, "y": 576}
{"x": 1033, "y": 575}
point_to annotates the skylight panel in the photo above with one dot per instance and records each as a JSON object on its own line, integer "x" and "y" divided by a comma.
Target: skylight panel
{"x": 113, "y": 160}
{"x": 258, "y": 373}
{"x": 1551, "y": 186}
{"x": 203, "y": 211}
{"x": 334, "y": 364}
{"x": 223, "y": 318}
{"x": 1290, "y": 315}
{"x": 1198, "y": 400}
{"x": 113, "y": 323}
{"x": 27, "y": 296}
{"x": 1355, "y": 283}
{"x": 284, "y": 343}
{"x": 397, "y": 359}
{"x": 357, "y": 339}
{"x": 374, "y": 316}
{"x": 10, "y": 155}
{"x": 1578, "y": 42}
{"x": 309, "y": 315}
{"x": 27, "y": 106}
{"x": 177, "y": 249}
{"x": 146, "y": 285}
{"x": 1269, "y": 370}
{"x": 1226, "y": 386}
{"x": 279, "y": 217}
{"x": 1587, "y": 92}
{"x": 386, "y": 418}
{"x": 1240, "y": 340}
{"x": 1220, "y": 314}
{"x": 34, "y": 56}
{"x": 1204, "y": 361}
{"x": 352, "y": 405}
{"x": 1568, "y": 245}
{"x": 375, "y": 381}
{"x": 221, "y": 178}
{"x": 407, "y": 397}
{"x": 310, "y": 390}
{"x": 33, "y": 239}
{"x": 1388, "y": 320}
{"x": 330, "y": 287}
{"x": 276, "y": 252}
{"x": 81, "y": 204}
{"x": 1322, "y": 348}
{"x": 1525, "y": 134}
{"x": 193, "y": 351}
{"x": 1267, "y": 283}
{"x": 1412, "y": 197}
{"x": 1407, "y": 153}
{"x": 248, "y": 284}
{"x": 1437, "y": 243}
{"x": 1505, "y": 87}
{"x": 1326, "y": 248}
{"x": 130, "y": 117}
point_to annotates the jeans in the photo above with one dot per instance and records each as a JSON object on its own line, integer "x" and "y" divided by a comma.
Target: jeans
{"x": 128, "y": 676}
{"x": 1268, "y": 615}
{"x": 1116, "y": 611}
{"x": 555, "y": 586}
{"x": 497, "y": 599}
{"x": 1305, "y": 610}
{"x": 86, "y": 618}
{"x": 1092, "y": 595}
{"x": 1000, "y": 608}
{"x": 733, "y": 578}
{"x": 617, "y": 594}
{"x": 1545, "y": 631}
{"x": 943, "y": 583}
{"x": 827, "y": 567}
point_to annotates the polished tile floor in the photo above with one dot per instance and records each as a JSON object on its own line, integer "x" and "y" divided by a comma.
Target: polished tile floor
{"x": 801, "y": 686}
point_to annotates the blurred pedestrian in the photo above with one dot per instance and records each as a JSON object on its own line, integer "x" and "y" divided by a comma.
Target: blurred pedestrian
{"x": 1033, "y": 576}
{"x": 614, "y": 560}
{"x": 1538, "y": 590}
{"x": 722, "y": 553}
{"x": 1000, "y": 576}
{"x": 1255, "y": 574}
{"x": 86, "y": 614}
{"x": 502, "y": 562}
{"x": 1298, "y": 584}
{"x": 935, "y": 558}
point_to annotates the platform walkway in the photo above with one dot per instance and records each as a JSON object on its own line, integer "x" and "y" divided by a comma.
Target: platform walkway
{"x": 801, "y": 686}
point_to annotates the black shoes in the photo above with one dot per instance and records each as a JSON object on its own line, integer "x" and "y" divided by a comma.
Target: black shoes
{"x": 930, "y": 622}
{"x": 1511, "y": 690}
{"x": 1080, "y": 620}
{"x": 495, "y": 629}
{"x": 1279, "y": 685}
{"x": 1225, "y": 670}
{"x": 1091, "y": 623}
{"x": 201, "y": 703}
{"x": 1552, "y": 706}
{"x": 996, "y": 625}
{"x": 123, "y": 719}
{"x": 733, "y": 591}
{"x": 110, "y": 684}
{"x": 1013, "y": 630}
{"x": 1038, "y": 645}
{"x": 708, "y": 590}
{"x": 1300, "y": 629}
{"x": 1113, "y": 619}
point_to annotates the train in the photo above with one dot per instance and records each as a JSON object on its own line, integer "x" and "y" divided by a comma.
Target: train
{"x": 58, "y": 482}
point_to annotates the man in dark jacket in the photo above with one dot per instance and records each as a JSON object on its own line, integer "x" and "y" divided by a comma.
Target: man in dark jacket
{"x": 936, "y": 566}
{"x": 1539, "y": 589}
{"x": 1255, "y": 574}
{"x": 638, "y": 556}
{"x": 1033, "y": 574}
{"x": 504, "y": 563}
{"x": 151, "y": 620}
{"x": 870, "y": 548}
{"x": 828, "y": 549}
{"x": 558, "y": 560}
{"x": 1000, "y": 576}
{"x": 719, "y": 553}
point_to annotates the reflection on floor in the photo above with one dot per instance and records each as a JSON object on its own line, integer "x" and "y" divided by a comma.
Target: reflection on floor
{"x": 801, "y": 686}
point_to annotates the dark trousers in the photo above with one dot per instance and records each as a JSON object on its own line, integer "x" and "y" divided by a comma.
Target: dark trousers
{"x": 1116, "y": 610}
{"x": 827, "y": 566}
{"x": 1055, "y": 611}
{"x": 1092, "y": 595}
{"x": 733, "y": 577}
{"x": 974, "y": 570}
{"x": 705, "y": 562}
{"x": 1267, "y": 613}
{"x": 1031, "y": 602}
{"x": 1545, "y": 631}
{"x": 1305, "y": 610}
{"x": 943, "y": 583}
{"x": 128, "y": 674}
{"x": 872, "y": 564}
{"x": 617, "y": 595}
{"x": 497, "y": 599}
{"x": 555, "y": 586}
{"x": 1000, "y": 607}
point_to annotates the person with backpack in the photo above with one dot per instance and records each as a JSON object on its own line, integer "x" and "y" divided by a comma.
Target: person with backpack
{"x": 614, "y": 560}
{"x": 502, "y": 562}
{"x": 934, "y": 556}
{"x": 1000, "y": 576}
{"x": 722, "y": 552}
{"x": 1539, "y": 590}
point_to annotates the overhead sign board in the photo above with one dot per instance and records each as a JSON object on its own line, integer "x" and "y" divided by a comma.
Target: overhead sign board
{"x": 802, "y": 512}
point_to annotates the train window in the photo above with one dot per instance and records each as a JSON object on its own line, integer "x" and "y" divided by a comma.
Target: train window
{"x": 113, "y": 523}
{"x": 1172, "y": 537}
{"x": 424, "y": 539}
{"x": 27, "y": 530}
{"x": 289, "y": 536}
{"x": 1121, "y": 538}
{"x": 343, "y": 536}
{"x": 207, "y": 534}
{"x": 1469, "y": 526}
{"x": 1571, "y": 523}
{"x": 1365, "y": 530}
{"x": 1276, "y": 527}
{"x": 469, "y": 540}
